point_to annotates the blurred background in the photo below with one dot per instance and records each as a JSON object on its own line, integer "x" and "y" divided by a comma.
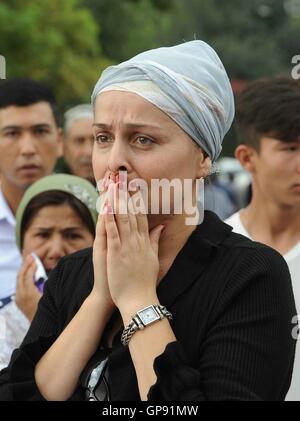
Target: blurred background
{"x": 67, "y": 43}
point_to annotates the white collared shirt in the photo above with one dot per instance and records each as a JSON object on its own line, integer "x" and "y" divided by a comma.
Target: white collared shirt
{"x": 10, "y": 257}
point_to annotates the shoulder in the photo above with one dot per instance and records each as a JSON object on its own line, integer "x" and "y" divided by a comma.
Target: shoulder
{"x": 235, "y": 244}
{"x": 252, "y": 253}
{"x": 256, "y": 270}
{"x": 73, "y": 264}
{"x": 73, "y": 276}
{"x": 78, "y": 258}
{"x": 237, "y": 260}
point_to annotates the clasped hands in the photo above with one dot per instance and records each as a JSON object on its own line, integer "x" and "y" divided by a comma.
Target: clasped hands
{"x": 125, "y": 254}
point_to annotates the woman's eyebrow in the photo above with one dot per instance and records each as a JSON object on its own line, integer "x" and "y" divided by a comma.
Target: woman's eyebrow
{"x": 43, "y": 228}
{"x": 102, "y": 126}
{"x": 69, "y": 229}
{"x": 140, "y": 125}
{"x": 74, "y": 228}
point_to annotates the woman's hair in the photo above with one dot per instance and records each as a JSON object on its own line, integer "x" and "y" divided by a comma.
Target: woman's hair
{"x": 55, "y": 198}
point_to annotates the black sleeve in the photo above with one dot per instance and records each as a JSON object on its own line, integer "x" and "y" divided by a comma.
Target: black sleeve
{"x": 17, "y": 381}
{"x": 248, "y": 351}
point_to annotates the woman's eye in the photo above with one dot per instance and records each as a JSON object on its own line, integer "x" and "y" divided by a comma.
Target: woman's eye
{"x": 102, "y": 139}
{"x": 144, "y": 141}
{"x": 73, "y": 237}
{"x": 42, "y": 235}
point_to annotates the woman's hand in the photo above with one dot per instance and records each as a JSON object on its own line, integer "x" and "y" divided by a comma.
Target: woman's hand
{"x": 132, "y": 253}
{"x": 101, "y": 290}
{"x": 27, "y": 294}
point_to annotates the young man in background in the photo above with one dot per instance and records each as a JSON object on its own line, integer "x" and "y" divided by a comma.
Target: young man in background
{"x": 268, "y": 124}
{"x": 30, "y": 143}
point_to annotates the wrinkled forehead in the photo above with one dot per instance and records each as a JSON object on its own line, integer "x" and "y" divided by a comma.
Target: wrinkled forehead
{"x": 130, "y": 108}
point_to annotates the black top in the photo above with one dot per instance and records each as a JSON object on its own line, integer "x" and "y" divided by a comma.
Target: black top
{"x": 232, "y": 306}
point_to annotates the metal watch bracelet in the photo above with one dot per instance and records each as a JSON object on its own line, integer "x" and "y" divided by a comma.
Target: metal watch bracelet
{"x": 137, "y": 323}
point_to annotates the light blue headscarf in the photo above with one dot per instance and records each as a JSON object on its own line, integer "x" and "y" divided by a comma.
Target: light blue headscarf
{"x": 194, "y": 81}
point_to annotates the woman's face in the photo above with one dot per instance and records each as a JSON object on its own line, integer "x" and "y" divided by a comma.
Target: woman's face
{"x": 54, "y": 232}
{"x": 132, "y": 133}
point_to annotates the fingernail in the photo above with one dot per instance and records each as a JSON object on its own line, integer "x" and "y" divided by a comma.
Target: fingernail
{"x": 122, "y": 176}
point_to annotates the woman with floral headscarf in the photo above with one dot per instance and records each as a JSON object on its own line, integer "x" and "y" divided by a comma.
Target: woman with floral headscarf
{"x": 57, "y": 216}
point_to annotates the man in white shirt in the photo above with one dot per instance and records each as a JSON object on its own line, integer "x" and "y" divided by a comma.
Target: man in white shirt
{"x": 30, "y": 143}
{"x": 268, "y": 126}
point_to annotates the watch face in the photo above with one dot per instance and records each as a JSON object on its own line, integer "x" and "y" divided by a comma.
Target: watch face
{"x": 148, "y": 315}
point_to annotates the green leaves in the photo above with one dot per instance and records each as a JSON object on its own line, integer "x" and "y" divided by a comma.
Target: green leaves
{"x": 53, "y": 41}
{"x": 68, "y": 43}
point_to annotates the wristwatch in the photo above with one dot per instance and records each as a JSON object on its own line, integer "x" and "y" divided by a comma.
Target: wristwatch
{"x": 143, "y": 318}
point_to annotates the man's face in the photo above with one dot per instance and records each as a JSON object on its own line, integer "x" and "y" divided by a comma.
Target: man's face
{"x": 277, "y": 171}
{"x": 30, "y": 144}
{"x": 78, "y": 147}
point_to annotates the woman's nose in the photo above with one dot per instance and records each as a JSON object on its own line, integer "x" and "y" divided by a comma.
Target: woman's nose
{"x": 56, "y": 250}
{"x": 118, "y": 158}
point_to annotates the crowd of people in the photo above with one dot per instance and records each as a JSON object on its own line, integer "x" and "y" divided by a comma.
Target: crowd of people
{"x": 154, "y": 308}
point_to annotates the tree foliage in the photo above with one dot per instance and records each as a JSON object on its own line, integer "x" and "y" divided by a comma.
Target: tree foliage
{"x": 53, "y": 41}
{"x": 254, "y": 38}
{"x": 67, "y": 43}
{"x": 129, "y": 27}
